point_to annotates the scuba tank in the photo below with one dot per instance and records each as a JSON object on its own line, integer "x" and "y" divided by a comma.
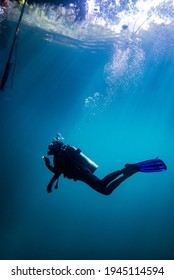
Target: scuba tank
{"x": 79, "y": 158}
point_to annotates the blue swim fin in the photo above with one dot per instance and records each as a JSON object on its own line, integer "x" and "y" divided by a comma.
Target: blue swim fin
{"x": 152, "y": 165}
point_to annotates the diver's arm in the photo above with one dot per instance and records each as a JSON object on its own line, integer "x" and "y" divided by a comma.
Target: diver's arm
{"x": 53, "y": 179}
{"x": 48, "y": 164}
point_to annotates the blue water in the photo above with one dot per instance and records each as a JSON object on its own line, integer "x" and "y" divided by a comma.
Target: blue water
{"x": 51, "y": 83}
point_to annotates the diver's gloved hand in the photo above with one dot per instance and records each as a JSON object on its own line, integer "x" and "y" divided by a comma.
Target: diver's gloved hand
{"x": 49, "y": 188}
{"x": 47, "y": 160}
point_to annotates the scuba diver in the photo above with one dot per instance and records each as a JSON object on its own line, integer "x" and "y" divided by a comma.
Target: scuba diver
{"x": 73, "y": 164}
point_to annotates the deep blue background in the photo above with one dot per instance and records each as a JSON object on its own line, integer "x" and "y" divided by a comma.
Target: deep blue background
{"x": 50, "y": 86}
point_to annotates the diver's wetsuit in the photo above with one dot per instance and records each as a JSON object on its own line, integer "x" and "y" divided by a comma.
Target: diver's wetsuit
{"x": 69, "y": 169}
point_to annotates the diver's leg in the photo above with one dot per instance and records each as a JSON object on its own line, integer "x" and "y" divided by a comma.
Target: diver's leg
{"x": 114, "y": 184}
{"x": 91, "y": 180}
{"x": 110, "y": 177}
{"x": 107, "y": 185}
{"x": 98, "y": 185}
